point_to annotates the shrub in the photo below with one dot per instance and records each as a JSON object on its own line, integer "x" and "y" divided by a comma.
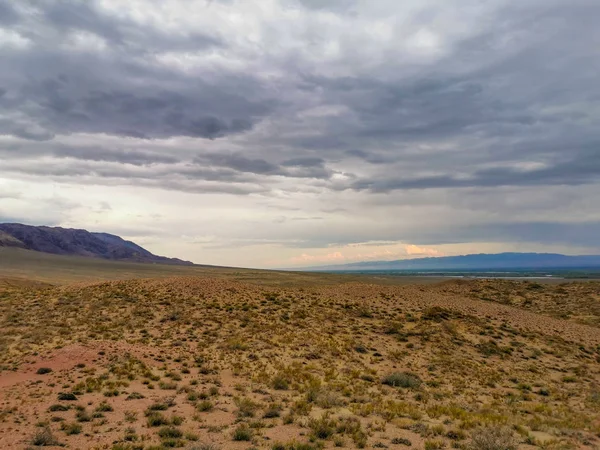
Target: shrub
{"x": 437, "y": 314}
{"x": 135, "y": 396}
{"x": 43, "y": 370}
{"x": 72, "y": 428}
{"x": 204, "y": 447}
{"x": 156, "y": 420}
{"x": 59, "y": 407}
{"x": 205, "y": 405}
{"x": 130, "y": 416}
{"x": 272, "y": 412}
{"x": 44, "y": 438}
{"x": 323, "y": 427}
{"x": 157, "y": 407}
{"x": 281, "y": 383}
{"x": 246, "y": 407}
{"x": 83, "y": 416}
{"x": 67, "y": 396}
{"x": 434, "y": 445}
{"x": 167, "y": 386}
{"x": 170, "y": 433}
{"x": 191, "y": 436}
{"x": 295, "y": 446}
{"x": 104, "y": 407}
{"x": 327, "y": 399}
{"x": 402, "y": 379}
{"x": 170, "y": 443}
{"x": 176, "y": 420}
{"x": 242, "y": 433}
{"x": 493, "y": 438}
{"x": 213, "y": 391}
{"x": 491, "y": 348}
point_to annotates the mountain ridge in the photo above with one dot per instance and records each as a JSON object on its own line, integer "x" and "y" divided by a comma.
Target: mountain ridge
{"x": 478, "y": 261}
{"x": 78, "y": 242}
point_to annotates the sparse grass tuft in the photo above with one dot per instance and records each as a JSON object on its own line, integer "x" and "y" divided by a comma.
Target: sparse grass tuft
{"x": 44, "y": 438}
{"x": 67, "y": 396}
{"x": 242, "y": 433}
{"x": 493, "y": 438}
{"x": 402, "y": 379}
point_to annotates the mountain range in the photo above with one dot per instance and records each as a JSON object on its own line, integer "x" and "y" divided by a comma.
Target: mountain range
{"x": 482, "y": 261}
{"x": 75, "y": 242}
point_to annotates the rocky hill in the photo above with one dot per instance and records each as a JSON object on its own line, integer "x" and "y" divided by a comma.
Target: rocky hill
{"x": 69, "y": 241}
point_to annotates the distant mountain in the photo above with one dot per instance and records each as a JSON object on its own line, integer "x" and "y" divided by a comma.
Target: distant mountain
{"x": 482, "y": 261}
{"x": 6, "y": 240}
{"x": 69, "y": 241}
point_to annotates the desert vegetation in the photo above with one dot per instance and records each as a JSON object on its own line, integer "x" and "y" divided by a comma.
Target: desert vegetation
{"x": 204, "y": 363}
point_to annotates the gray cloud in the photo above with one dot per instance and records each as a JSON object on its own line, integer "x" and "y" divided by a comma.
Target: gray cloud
{"x": 240, "y": 163}
{"x": 349, "y": 108}
{"x": 328, "y": 5}
{"x": 87, "y": 153}
{"x": 65, "y": 17}
{"x": 308, "y": 161}
{"x": 8, "y": 15}
{"x": 581, "y": 170}
{"x": 292, "y": 168}
{"x": 109, "y": 85}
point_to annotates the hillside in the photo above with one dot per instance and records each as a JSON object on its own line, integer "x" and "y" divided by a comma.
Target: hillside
{"x": 6, "y": 240}
{"x": 75, "y": 242}
{"x": 482, "y": 261}
{"x": 29, "y": 265}
{"x": 211, "y": 364}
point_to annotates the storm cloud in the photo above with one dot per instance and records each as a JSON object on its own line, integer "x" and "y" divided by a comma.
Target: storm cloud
{"x": 355, "y": 121}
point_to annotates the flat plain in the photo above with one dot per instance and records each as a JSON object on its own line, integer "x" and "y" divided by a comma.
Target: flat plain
{"x": 100, "y": 355}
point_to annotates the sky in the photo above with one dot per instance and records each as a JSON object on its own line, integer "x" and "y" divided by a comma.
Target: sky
{"x": 289, "y": 133}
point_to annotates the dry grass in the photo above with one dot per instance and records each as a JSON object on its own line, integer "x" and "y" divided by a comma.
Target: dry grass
{"x": 210, "y": 363}
{"x": 26, "y": 267}
{"x": 579, "y": 302}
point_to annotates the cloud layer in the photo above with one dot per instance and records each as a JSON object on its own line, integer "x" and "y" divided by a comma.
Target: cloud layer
{"x": 216, "y": 129}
